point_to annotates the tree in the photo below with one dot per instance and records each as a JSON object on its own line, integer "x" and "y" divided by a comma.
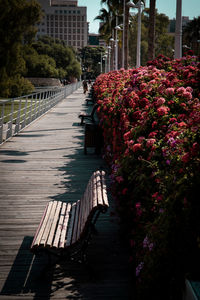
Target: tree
{"x": 151, "y": 35}
{"x": 17, "y": 20}
{"x": 91, "y": 60}
{"x": 191, "y": 36}
{"x": 163, "y": 42}
{"x": 49, "y": 58}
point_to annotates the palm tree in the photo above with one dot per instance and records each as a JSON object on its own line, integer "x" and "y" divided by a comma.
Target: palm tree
{"x": 151, "y": 35}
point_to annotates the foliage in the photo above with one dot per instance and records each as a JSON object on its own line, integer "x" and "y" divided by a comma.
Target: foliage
{"x": 150, "y": 118}
{"x": 191, "y": 35}
{"x": 163, "y": 42}
{"x": 50, "y": 58}
{"x": 17, "y": 20}
{"x": 91, "y": 58}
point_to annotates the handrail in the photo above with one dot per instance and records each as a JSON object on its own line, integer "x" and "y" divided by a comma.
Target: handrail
{"x": 17, "y": 113}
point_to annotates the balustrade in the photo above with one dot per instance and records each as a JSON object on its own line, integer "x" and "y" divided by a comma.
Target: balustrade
{"x": 17, "y": 113}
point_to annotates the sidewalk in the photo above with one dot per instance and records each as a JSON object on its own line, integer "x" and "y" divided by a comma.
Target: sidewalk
{"x": 46, "y": 161}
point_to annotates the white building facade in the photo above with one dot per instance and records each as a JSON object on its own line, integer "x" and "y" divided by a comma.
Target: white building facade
{"x": 65, "y": 20}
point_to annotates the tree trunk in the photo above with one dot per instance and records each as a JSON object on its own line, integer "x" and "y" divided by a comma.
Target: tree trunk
{"x": 151, "y": 37}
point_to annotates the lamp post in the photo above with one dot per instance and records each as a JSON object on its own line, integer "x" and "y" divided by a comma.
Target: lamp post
{"x": 109, "y": 50}
{"x": 178, "y": 31}
{"x": 138, "y": 56}
{"x": 123, "y": 42}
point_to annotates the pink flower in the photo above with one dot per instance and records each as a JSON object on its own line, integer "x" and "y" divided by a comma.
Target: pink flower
{"x": 162, "y": 110}
{"x": 150, "y": 142}
{"x": 127, "y": 135}
{"x": 169, "y": 91}
{"x": 137, "y": 147}
{"x": 187, "y": 95}
{"x": 189, "y": 89}
{"x": 180, "y": 91}
{"x": 160, "y": 101}
{"x": 140, "y": 139}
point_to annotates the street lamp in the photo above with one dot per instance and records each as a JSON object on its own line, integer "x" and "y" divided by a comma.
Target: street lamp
{"x": 117, "y": 27}
{"x": 138, "y": 6}
{"x": 178, "y": 31}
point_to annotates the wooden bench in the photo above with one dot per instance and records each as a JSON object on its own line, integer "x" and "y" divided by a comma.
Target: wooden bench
{"x": 90, "y": 116}
{"x": 65, "y": 228}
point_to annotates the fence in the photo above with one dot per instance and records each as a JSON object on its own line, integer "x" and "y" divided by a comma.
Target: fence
{"x": 17, "y": 113}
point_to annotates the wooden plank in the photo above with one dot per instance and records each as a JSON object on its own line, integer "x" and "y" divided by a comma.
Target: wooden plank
{"x": 48, "y": 224}
{"x": 71, "y": 224}
{"x": 75, "y": 227}
{"x": 65, "y": 226}
{"x": 95, "y": 199}
{"x": 104, "y": 189}
{"x": 54, "y": 224}
{"x": 42, "y": 225}
{"x": 59, "y": 227}
{"x": 99, "y": 189}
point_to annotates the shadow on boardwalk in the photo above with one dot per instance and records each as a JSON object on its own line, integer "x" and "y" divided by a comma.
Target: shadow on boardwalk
{"x": 106, "y": 275}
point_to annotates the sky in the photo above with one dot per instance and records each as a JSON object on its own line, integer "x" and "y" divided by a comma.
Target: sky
{"x": 190, "y": 8}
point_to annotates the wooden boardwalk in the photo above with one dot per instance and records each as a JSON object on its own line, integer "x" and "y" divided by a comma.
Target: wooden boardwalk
{"x": 46, "y": 161}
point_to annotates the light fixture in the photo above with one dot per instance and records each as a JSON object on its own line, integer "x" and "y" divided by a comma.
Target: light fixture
{"x": 131, "y": 4}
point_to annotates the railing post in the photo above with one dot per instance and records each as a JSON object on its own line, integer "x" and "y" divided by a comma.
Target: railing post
{"x": 1, "y": 123}
{"x": 24, "y": 114}
{"x": 10, "y": 122}
{"x": 17, "y": 125}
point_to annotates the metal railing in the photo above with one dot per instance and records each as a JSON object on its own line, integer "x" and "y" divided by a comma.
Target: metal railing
{"x": 17, "y": 113}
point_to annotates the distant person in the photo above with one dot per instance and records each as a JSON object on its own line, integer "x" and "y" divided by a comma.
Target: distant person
{"x": 85, "y": 86}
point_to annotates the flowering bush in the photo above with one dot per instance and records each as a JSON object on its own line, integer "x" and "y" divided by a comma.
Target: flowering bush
{"x": 150, "y": 118}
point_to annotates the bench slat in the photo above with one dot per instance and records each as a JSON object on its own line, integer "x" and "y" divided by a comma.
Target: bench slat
{"x": 59, "y": 227}
{"x": 48, "y": 224}
{"x": 43, "y": 225}
{"x": 71, "y": 223}
{"x": 54, "y": 223}
{"x": 104, "y": 190}
{"x": 99, "y": 189}
{"x": 65, "y": 226}
{"x": 95, "y": 200}
{"x": 75, "y": 227}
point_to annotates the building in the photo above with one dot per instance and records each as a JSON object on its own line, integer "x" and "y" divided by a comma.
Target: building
{"x": 172, "y": 24}
{"x": 65, "y": 20}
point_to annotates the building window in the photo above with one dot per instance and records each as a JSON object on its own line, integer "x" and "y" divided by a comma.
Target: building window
{"x": 74, "y": 43}
{"x": 74, "y": 37}
{"x": 74, "y": 30}
{"x": 69, "y": 37}
{"x": 61, "y": 37}
{"x": 56, "y": 24}
{"x": 69, "y": 24}
{"x": 69, "y": 18}
{"x": 61, "y": 30}
{"x": 74, "y": 18}
{"x": 56, "y": 30}
{"x": 65, "y": 24}
{"x": 78, "y": 37}
{"x": 65, "y": 37}
{"x": 78, "y": 30}
{"x": 65, "y": 30}
{"x": 60, "y": 23}
{"x": 56, "y": 17}
{"x": 51, "y": 24}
